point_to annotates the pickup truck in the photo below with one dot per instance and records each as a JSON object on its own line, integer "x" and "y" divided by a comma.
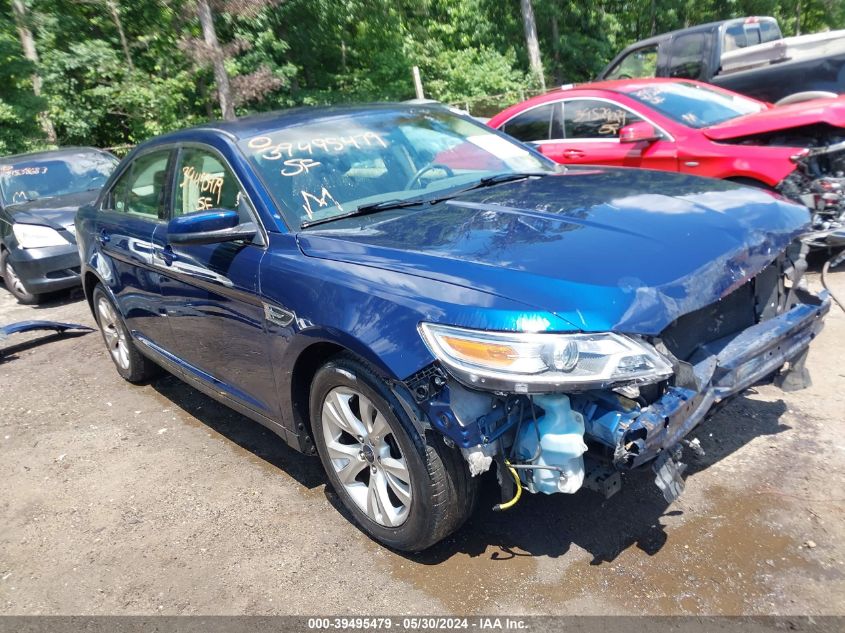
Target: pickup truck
{"x": 746, "y": 55}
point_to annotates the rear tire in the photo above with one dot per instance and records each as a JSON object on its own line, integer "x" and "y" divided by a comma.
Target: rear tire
{"x": 406, "y": 490}
{"x": 130, "y": 363}
{"x": 14, "y": 283}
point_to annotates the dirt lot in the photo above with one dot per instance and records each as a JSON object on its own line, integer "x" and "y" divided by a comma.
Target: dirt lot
{"x": 120, "y": 499}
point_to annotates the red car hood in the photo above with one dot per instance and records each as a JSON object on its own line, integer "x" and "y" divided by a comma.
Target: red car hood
{"x": 830, "y": 111}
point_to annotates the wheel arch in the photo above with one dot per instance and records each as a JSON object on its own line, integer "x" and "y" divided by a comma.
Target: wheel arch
{"x": 302, "y": 374}
{"x": 750, "y": 181}
{"x": 307, "y": 358}
{"x": 89, "y": 281}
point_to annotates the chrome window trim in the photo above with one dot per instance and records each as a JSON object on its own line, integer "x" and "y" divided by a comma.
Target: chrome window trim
{"x": 561, "y": 102}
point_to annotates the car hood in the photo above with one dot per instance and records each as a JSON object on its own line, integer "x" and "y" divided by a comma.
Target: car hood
{"x": 830, "y": 111}
{"x": 55, "y": 212}
{"x": 604, "y": 249}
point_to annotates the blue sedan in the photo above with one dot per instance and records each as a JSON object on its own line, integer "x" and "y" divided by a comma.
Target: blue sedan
{"x": 418, "y": 299}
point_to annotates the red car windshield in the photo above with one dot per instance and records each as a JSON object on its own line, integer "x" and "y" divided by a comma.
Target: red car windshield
{"x": 691, "y": 104}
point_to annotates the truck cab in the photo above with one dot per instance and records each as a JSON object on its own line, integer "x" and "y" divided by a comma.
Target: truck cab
{"x": 746, "y": 55}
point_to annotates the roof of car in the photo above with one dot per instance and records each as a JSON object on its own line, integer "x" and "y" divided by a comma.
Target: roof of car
{"x": 612, "y": 85}
{"x": 49, "y": 153}
{"x": 617, "y": 85}
{"x": 252, "y": 125}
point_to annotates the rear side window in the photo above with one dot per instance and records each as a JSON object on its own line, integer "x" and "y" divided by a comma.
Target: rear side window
{"x": 589, "y": 118}
{"x": 740, "y": 35}
{"x": 639, "y": 63}
{"x": 203, "y": 182}
{"x": 140, "y": 190}
{"x": 688, "y": 55}
{"x": 532, "y": 125}
{"x": 752, "y": 34}
{"x": 769, "y": 31}
{"x": 734, "y": 38}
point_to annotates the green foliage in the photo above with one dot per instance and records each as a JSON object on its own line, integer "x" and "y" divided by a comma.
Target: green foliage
{"x": 19, "y": 127}
{"x": 294, "y": 52}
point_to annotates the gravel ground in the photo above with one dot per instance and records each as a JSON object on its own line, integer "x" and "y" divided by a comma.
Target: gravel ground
{"x": 119, "y": 499}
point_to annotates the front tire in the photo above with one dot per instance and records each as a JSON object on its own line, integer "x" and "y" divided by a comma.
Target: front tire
{"x": 403, "y": 489}
{"x": 130, "y": 363}
{"x": 14, "y": 283}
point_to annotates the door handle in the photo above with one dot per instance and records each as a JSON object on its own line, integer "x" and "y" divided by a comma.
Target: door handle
{"x": 103, "y": 237}
{"x": 168, "y": 255}
{"x": 573, "y": 153}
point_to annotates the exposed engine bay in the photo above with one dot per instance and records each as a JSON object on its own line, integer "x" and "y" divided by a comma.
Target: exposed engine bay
{"x": 574, "y": 437}
{"x": 818, "y": 182}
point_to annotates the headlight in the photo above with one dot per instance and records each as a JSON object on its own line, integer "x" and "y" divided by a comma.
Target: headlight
{"x": 36, "y": 236}
{"x": 543, "y": 362}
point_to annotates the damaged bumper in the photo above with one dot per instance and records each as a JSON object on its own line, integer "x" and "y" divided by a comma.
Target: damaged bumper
{"x": 544, "y": 436}
{"x": 31, "y": 326}
{"x": 720, "y": 369}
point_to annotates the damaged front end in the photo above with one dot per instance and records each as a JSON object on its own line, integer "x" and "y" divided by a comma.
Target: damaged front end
{"x": 558, "y": 412}
{"x": 818, "y": 182}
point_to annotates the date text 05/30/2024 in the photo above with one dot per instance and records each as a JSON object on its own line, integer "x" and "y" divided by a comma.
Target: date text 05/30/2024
{"x": 417, "y": 623}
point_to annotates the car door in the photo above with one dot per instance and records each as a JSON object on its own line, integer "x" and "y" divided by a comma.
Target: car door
{"x": 211, "y": 290}
{"x": 591, "y": 129}
{"x": 132, "y": 212}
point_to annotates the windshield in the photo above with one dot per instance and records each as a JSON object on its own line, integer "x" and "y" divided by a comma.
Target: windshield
{"x": 48, "y": 176}
{"x": 333, "y": 166}
{"x": 691, "y": 104}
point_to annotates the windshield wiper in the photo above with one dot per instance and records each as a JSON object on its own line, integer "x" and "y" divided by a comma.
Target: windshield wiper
{"x": 498, "y": 179}
{"x": 367, "y": 209}
{"x": 397, "y": 203}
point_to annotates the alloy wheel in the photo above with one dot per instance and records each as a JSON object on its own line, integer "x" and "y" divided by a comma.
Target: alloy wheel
{"x": 113, "y": 333}
{"x": 366, "y": 457}
{"x": 13, "y": 281}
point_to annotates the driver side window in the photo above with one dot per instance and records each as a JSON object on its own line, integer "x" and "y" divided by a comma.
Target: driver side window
{"x": 204, "y": 182}
{"x": 140, "y": 190}
{"x": 639, "y": 63}
{"x": 592, "y": 119}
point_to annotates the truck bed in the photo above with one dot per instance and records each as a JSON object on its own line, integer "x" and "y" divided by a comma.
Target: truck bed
{"x": 795, "y": 49}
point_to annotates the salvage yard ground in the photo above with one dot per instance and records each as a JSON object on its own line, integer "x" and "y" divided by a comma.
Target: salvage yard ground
{"x": 156, "y": 499}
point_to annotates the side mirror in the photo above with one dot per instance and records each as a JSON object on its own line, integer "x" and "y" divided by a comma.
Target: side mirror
{"x": 639, "y": 132}
{"x": 209, "y": 227}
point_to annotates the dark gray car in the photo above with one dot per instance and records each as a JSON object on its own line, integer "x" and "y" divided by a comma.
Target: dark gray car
{"x": 39, "y": 196}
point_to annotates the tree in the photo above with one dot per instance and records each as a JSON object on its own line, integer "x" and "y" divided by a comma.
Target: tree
{"x": 114, "y": 11}
{"x": 21, "y": 14}
{"x": 20, "y": 129}
{"x": 221, "y": 77}
{"x": 531, "y": 42}
{"x": 112, "y": 72}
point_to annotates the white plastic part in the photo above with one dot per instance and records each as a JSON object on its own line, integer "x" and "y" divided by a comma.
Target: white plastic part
{"x": 561, "y": 433}
{"x": 478, "y": 459}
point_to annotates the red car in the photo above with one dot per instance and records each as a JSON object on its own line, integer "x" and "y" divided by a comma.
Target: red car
{"x": 679, "y": 125}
